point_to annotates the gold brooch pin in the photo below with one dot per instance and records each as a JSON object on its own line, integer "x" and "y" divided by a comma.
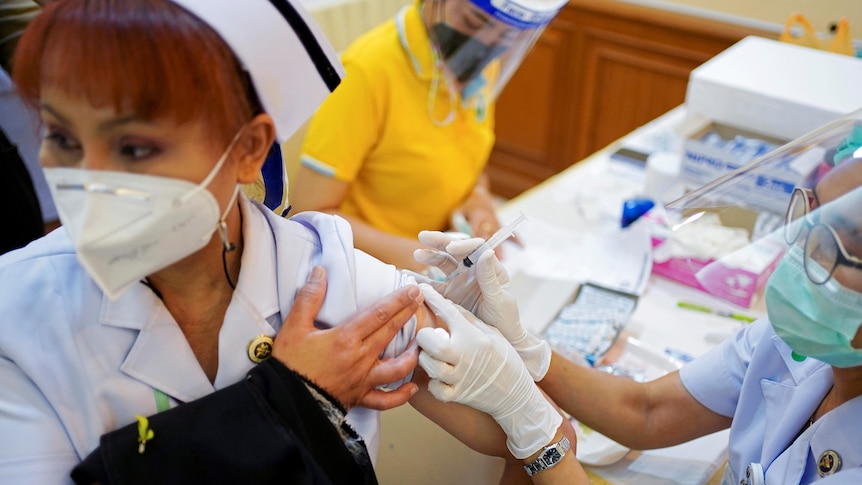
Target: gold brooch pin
{"x": 828, "y": 463}
{"x": 260, "y": 348}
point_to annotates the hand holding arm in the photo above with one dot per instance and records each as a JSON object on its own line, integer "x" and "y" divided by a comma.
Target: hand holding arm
{"x": 344, "y": 361}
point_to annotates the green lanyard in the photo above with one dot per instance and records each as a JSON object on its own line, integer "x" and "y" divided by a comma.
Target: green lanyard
{"x": 162, "y": 402}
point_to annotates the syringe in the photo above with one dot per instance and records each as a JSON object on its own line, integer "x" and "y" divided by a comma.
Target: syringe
{"x": 491, "y": 243}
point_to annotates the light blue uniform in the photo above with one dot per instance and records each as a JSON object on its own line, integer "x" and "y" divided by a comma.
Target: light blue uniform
{"x": 753, "y": 379}
{"x": 74, "y": 365}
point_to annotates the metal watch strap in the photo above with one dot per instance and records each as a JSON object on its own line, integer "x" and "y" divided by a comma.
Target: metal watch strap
{"x": 550, "y": 456}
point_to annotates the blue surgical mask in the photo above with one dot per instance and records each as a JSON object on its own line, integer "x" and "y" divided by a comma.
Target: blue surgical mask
{"x": 817, "y": 321}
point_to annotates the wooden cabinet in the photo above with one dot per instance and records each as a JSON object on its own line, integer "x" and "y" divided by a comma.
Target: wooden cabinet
{"x": 601, "y": 69}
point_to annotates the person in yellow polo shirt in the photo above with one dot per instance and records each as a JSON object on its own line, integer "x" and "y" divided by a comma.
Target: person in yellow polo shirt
{"x": 402, "y": 144}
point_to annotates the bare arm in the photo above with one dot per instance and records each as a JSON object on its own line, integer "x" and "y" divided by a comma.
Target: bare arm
{"x": 351, "y": 374}
{"x": 639, "y": 415}
{"x": 318, "y": 192}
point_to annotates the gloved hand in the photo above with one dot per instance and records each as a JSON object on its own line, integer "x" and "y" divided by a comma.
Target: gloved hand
{"x": 449, "y": 251}
{"x": 481, "y": 290}
{"x": 477, "y": 367}
{"x": 498, "y": 308}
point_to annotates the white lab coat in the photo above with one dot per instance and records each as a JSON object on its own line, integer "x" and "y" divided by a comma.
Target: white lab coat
{"x": 74, "y": 365}
{"x": 752, "y": 378}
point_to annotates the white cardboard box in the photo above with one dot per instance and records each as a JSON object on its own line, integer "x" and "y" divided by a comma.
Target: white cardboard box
{"x": 775, "y": 88}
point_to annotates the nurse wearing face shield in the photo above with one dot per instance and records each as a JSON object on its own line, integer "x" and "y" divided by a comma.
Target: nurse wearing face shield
{"x": 401, "y": 146}
{"x": 471, "y": 34}
{"x": 789, "y": 386}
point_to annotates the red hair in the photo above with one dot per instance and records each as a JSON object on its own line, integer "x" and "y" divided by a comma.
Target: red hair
{"x": 149, "y": 56}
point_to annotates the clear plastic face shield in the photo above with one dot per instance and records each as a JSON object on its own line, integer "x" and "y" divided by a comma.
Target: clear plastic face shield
{"x": 481, "y": 43}
{"x": 814, "y": 296}
{"x": 808, "y": 231}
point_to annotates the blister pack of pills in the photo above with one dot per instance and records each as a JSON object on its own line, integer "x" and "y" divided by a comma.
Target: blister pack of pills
{"x": 586, "y": 328}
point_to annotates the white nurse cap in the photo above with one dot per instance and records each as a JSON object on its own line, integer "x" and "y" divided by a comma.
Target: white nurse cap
{"x": 291, "y": 63}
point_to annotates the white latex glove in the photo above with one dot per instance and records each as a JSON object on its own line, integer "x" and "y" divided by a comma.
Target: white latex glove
{"x": 482, "y": 290}
{"x": 449, "y": 251}
{"x": 476, "y": 366}
{"x": 498, "y": 308}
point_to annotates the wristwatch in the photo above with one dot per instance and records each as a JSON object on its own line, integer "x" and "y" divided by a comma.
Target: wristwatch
{"x": 550, "y": 456}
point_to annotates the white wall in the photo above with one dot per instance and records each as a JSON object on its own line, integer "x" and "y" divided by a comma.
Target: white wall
{"x": 344, "y": 20}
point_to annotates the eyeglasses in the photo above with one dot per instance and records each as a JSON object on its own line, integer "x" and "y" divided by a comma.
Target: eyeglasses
{"x": 799, "y": 208}
{"x": 824, "y": 251}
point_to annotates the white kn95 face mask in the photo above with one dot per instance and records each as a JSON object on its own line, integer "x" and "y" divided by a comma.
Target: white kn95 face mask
{"x": 126, "y": 226}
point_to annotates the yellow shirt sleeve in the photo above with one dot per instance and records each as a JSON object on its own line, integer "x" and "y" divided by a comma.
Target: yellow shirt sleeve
{"x": 344, "y": 129}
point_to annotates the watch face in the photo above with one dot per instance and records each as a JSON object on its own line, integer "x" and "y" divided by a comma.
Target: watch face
{"x": 550, "y": 457}
{"x": 553, "y": 456}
